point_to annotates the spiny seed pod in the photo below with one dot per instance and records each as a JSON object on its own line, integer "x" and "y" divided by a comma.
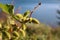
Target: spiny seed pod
{"x": 0, "y": 35}
{"x": 24, "y": 26}
{"x": 19, "y": 16}
{"x": 30, "y": 19}
{"x": 24, "y": 19}
{"x": 0, "y": 25}
{"x": 23, "y": 32}
{"x": 12, "y": 22}
{"x": 27, "y": 20}
{"x": 16, "y": 34}
{"x": 8, "y": 34}
{"x": 35, "y": 21}
{"x": 7, "y": 27}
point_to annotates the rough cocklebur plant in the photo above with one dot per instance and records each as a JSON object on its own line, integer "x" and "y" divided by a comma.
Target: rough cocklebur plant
{"x": 9, "y": 29}
{"x": 24, "y": 19}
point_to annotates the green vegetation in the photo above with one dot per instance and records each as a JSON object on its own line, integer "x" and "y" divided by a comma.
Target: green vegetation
{"x": 58, "y": 17}
{"x": 24, "y": 27}
{"x": 9, "y": 28}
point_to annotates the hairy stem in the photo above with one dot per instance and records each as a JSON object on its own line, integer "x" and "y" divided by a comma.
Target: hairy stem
{"x": 35, "y": 8}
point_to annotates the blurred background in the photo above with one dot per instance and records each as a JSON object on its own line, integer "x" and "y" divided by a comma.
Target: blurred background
{"x": 47, "y": 13}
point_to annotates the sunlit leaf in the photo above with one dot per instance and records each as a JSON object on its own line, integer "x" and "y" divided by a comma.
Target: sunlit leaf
{"x": 27, "y": 13}
{"x": 9, "y": 9}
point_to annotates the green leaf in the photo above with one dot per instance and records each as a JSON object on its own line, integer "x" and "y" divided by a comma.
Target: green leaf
{"x": 27, "y": 13}
{"x": 9, "y": 9}
{"x": 33, "y": 20}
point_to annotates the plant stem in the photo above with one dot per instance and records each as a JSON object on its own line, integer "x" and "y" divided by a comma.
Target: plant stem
{"x": 35, "y": 8}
